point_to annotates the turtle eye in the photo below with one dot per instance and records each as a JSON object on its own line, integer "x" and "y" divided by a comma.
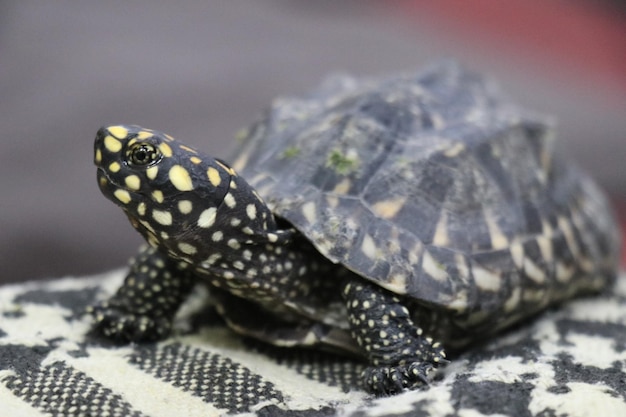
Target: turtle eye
{"x": 143, "y": 154}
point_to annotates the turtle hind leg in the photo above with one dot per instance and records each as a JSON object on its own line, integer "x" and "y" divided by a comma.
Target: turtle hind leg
{"x": 401, "y": 357}
{"x": 142, "y": 309}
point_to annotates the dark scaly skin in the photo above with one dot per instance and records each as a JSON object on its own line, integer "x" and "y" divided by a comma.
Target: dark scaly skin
{"x": 400, "y": 354}
{"x": 206, "y": 224}
{"x": 142, "y": 309}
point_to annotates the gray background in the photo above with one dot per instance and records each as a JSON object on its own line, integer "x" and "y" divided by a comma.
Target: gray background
{"x": 200, "y": 70}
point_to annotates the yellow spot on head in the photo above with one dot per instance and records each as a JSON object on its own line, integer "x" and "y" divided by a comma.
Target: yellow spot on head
{"x": 114, "y": 167}
{"x": 227, "y": 168}
{"x": 152, "y": 172}
{"x": 113, "y": 145}
{"x": 98, "y": 157}
{"x": 187, "y": 148}
{"x": 165, "y": 149}
{"x": 144, "y": 134}
{"x": 180, "y": 178}
{"x": 122, "y": 195}
{"x": 214, "y": 176}
{"x": 141, "y": 209}
{"x": 195, "y": 160}
{"x": 119, "y": 132}
{"x": 133, "y": 182}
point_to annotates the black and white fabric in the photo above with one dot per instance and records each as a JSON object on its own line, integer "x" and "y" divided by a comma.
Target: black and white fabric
{"x": 570, "y": 361}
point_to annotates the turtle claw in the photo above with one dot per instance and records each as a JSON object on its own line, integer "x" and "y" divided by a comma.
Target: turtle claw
{"x": 390, "y": 380}
{"x": 123, "y": 327}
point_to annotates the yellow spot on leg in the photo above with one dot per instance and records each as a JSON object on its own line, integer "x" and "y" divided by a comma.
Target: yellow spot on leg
{"x": 180, "y": 178}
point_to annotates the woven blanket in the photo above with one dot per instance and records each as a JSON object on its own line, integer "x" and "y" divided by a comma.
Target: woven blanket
{"x": 570, "y": 361}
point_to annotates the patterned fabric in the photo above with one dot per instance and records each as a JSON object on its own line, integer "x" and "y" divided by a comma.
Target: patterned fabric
{"x": 569, "y": 362}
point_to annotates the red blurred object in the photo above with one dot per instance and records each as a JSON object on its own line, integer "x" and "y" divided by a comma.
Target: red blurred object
{"x": 584, "y": 37}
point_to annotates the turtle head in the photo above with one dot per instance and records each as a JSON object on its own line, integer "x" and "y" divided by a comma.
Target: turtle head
{"x": 183, "y": 202}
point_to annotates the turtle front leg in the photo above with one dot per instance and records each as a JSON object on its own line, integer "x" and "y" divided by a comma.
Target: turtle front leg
{"x": 143, "y": 308}
{"x": 400, "y": 355}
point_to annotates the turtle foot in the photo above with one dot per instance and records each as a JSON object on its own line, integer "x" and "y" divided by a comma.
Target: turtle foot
{"x": 390, "y": 380}
{"x": 123, "y": 327}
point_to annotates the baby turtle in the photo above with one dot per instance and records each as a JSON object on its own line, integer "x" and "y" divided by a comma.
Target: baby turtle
{"x": 386, "y": 217}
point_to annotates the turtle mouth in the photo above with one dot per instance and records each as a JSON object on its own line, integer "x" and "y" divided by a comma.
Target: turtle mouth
{"x": 112, "y": 189}
{"x": 104, "y": 179}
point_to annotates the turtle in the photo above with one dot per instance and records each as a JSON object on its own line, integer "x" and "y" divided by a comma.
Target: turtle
{"x": 386, "y": 217}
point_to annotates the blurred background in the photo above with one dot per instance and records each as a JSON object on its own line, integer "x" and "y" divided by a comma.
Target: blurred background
{"x": 200, "y": 70}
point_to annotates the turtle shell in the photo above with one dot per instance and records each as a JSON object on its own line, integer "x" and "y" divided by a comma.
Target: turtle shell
{"x": 434, "y": 186}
